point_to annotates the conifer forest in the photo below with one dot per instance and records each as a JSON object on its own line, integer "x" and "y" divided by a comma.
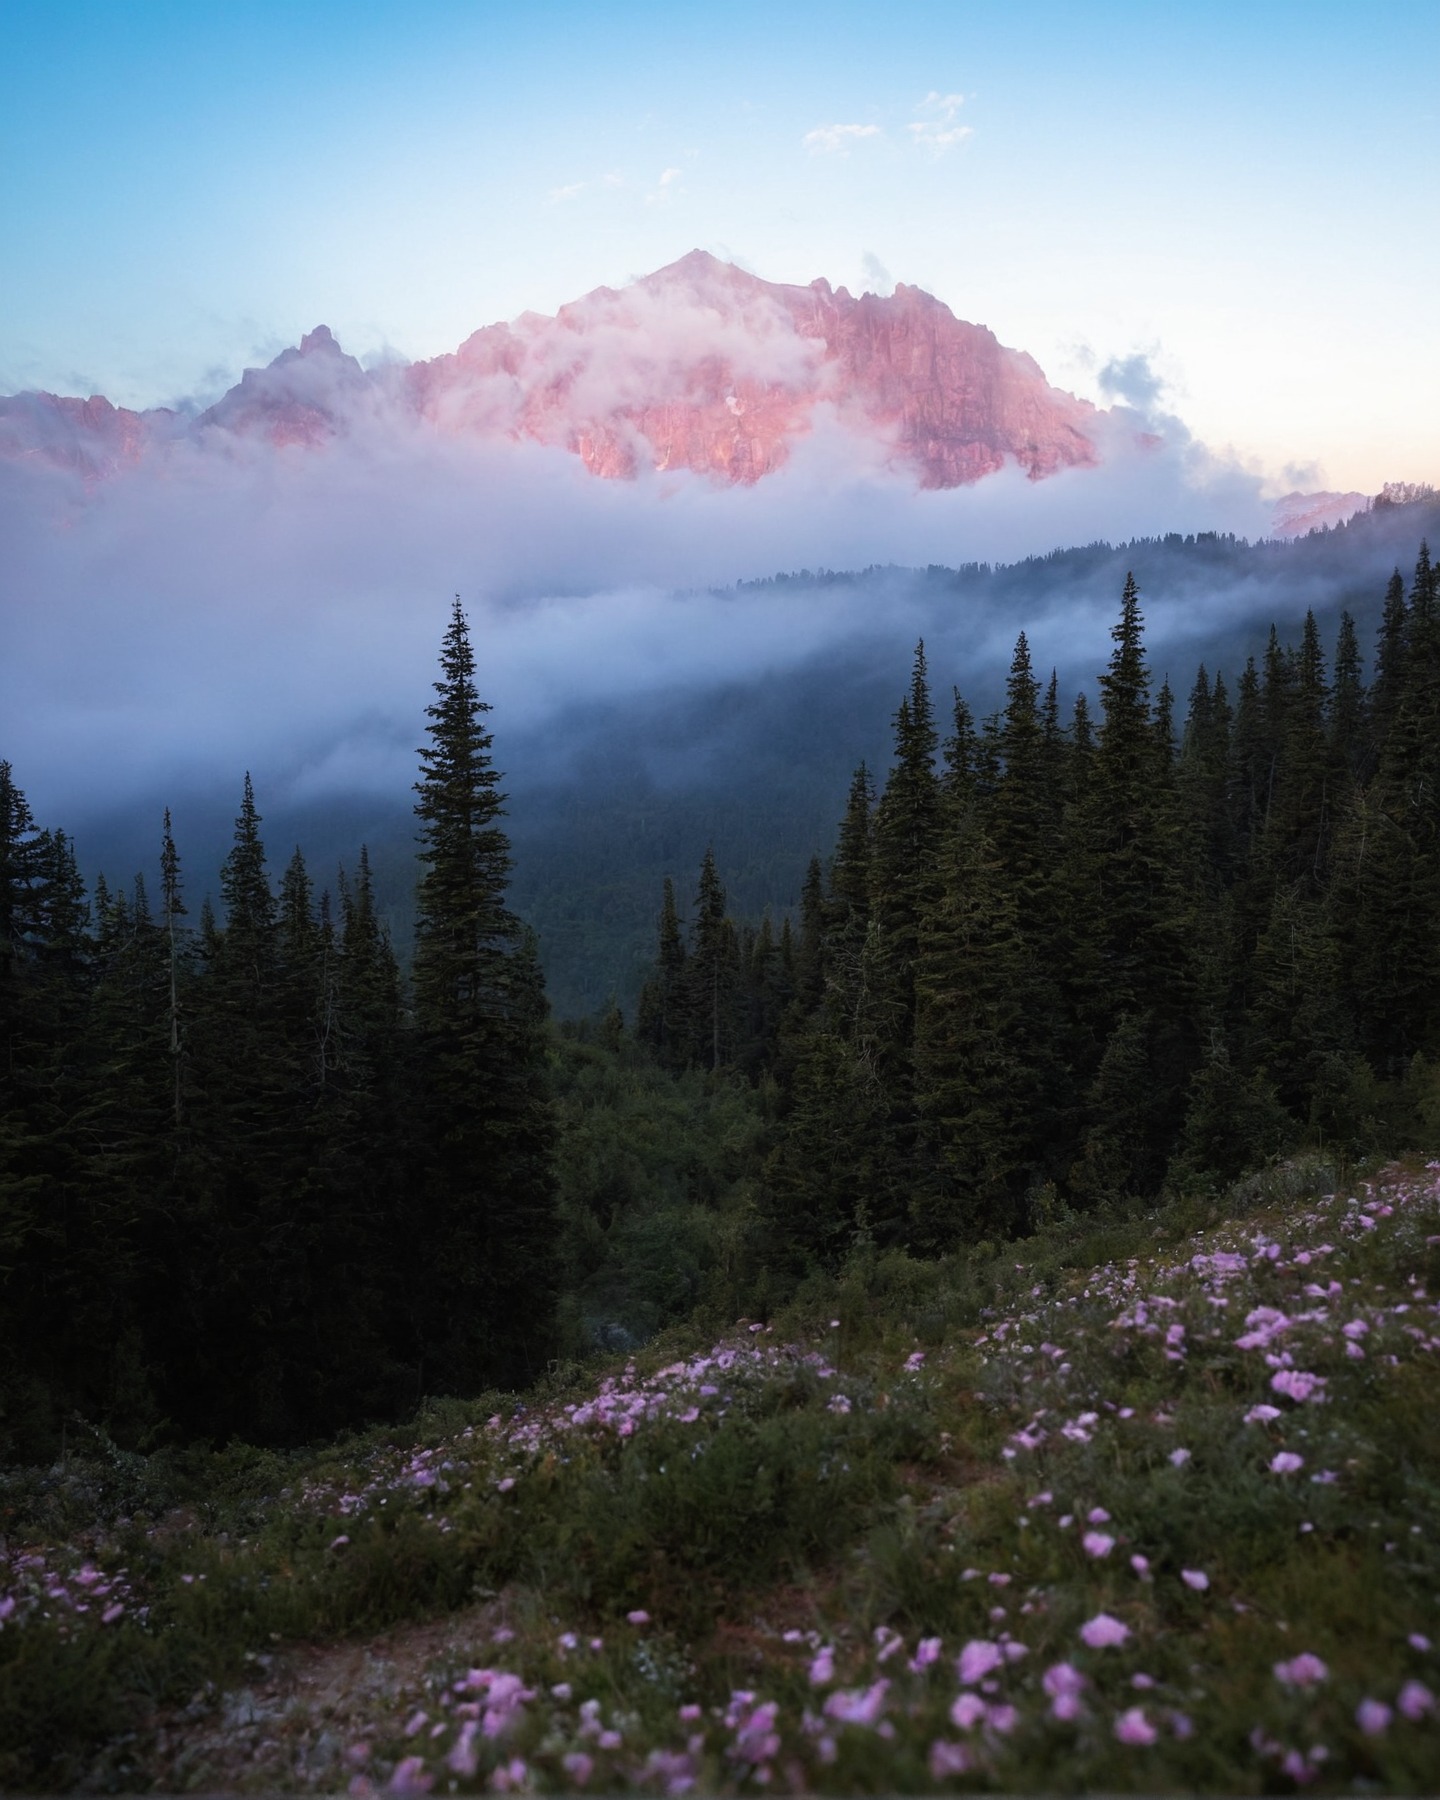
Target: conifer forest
{"x": 267, "y": 1177}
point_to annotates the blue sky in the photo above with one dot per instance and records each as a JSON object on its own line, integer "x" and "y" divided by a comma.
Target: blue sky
{"x": 1245, "y": 194}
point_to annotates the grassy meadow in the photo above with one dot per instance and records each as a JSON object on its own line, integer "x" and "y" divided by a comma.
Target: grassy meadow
{"x": 1147, "y": 1502}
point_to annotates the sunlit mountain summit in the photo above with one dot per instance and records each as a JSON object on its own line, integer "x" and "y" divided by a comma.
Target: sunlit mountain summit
{"x": 700, "y": 366}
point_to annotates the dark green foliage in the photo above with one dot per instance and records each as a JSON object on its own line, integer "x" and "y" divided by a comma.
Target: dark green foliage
{"x": 476, "y": 1285}
{"x": 1076, "y": 963}
{"x": 251, "y": 1185}
{"x": 240, "y": 1192}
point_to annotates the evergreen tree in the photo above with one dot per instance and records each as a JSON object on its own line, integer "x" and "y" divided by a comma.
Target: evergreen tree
{"x": 479, "y": 1289}
{"x": 659, "y": 1020}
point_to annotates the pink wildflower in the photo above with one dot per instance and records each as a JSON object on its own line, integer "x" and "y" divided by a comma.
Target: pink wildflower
{"x": 1098, "y": 1543}
{"x": 463, "y": 1758}
{"x": 1419, "y": 1641}
{"x": 1132, "y": 1727}
{"x": 1373, "y": 1717}
{"x": 578, "y": 1766}
{"x": 410, "y": 1777}
{"x": 1179, "y": 1457}
{"x": 513, "y": 1774}
{"x": 1298, "y": 1767}
{"x": 638, "y": 1617}
{"x": 1262, "y": 1414}
{"x": 967, "y": 1712}
{"x": 948, "y": 1759}
{"x": 1103, "y": 1633}
{"x": 859, "y": 1706}
{"x": 1286, "y": 1462}
{"x": 978, "y": 1659}
{"x": 887, "y": 1642}
{"x": 1063, "y": 1682}
{"x": 1097, "y": 1515}
{"x": 1141, "y": 1565}
{"x": 756, "y": 1740}
{"x": 1002, "y": 1718}
{"x": 1298, "y": 1384}
{"x": 822, "y": 1669}
{"x": 1414, "y": 1701}
{"x": 1301, "y": 1671}
{"x": 1195, "y": 1578}
{"x": 112, "y": 1613}
{"x": 927, "y": 1651}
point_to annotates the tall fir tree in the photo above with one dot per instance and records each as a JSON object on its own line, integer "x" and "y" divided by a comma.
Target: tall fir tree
{"x": 480, "y": 1285}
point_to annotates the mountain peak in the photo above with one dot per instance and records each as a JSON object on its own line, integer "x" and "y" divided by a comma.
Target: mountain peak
{"x": 700, "y": 366}
{"x": 320, "y": 342}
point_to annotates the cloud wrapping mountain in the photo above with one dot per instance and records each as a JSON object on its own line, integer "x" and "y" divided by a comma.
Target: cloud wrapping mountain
{"x": 263, "y": 583}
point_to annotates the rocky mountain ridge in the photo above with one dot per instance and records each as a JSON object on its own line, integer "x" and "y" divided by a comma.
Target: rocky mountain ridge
{"x": 700, "y": 366}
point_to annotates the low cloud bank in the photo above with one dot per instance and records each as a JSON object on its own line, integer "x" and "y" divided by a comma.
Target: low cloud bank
{"x": 281, "y": 611}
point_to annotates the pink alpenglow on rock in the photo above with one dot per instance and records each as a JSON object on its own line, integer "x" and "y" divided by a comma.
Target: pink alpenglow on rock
{"x": 700, "y": 366}
{"x": 1132, "y": 1727}
{"x": 1303, "y": 1671}
{"x": 1104, "y": 1633}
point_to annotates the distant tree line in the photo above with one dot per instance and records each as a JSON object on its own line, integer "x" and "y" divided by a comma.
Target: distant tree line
{"x": 1064, "y": 960}
{"x": 249, "y": 1182}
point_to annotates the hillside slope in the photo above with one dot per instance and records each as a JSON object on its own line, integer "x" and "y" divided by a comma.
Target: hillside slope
{"x": 1130, "y": 1506}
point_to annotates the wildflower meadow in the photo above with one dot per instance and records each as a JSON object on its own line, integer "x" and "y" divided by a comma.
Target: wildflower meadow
{"x": 1152, "y": 1508}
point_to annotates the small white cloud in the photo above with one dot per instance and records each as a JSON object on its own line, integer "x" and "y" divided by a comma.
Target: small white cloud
{"x": 938, "y": 105}
{"x": 827, "y": 140}
{"x": 935, "y": 129}
{"x": 665, "y": 188}
{"x": 939, "y": 138}
{"x": 573, "y": 190}
{"x": 877, "y": 277}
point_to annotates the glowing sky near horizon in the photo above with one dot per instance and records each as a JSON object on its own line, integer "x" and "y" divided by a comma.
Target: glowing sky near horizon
{"x": 1246, "y": 194}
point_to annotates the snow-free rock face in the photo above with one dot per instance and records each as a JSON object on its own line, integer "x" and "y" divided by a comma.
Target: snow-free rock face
{"x": 1297, "y": 514}
{"x": 700, "y": 366}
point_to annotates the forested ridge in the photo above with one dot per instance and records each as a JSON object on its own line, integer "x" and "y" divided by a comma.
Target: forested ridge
{"x": 258, "y": 1181}
{"x": 1060, "y": 961}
